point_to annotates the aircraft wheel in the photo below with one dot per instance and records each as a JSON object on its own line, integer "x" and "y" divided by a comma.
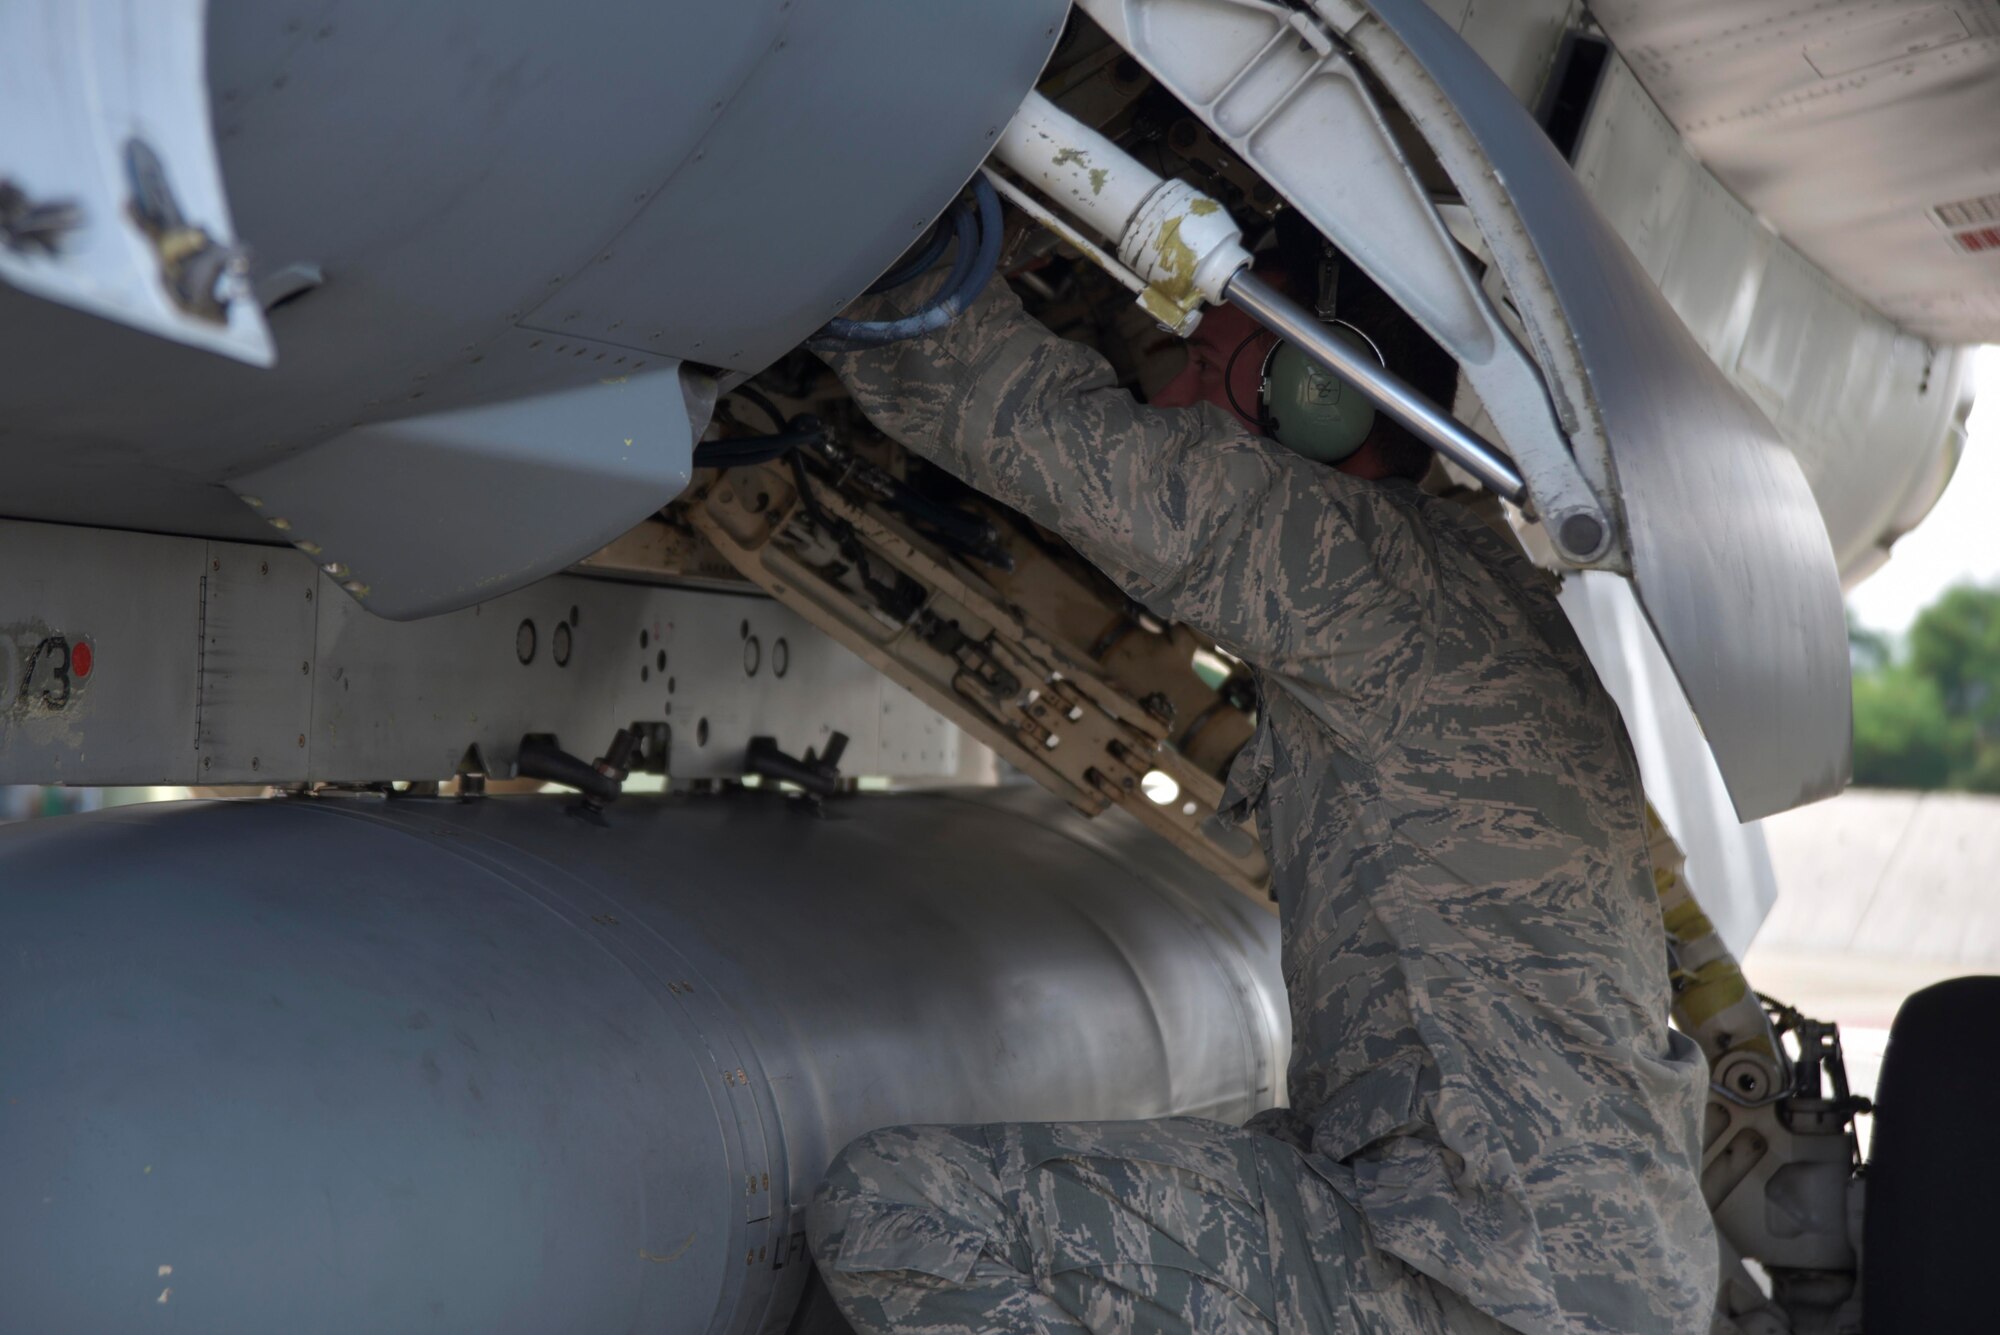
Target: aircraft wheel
{"x": 1933, "y": 1194}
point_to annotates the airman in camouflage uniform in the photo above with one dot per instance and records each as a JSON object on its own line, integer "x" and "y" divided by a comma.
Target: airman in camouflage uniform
{"x": 1491, "y": 1125}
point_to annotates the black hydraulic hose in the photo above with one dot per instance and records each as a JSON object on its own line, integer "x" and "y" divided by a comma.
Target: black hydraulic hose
{"x": 741, "y": 451}
{"x": 933, "y": 246}
{"x": 738, "y": 451}
{"x": 839, "y": 334}
{"x": 964, "y": 532}
{"x": 762, "y": 405}
{"x": 967, "y": 531}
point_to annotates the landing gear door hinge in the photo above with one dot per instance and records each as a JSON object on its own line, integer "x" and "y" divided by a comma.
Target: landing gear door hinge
{"x": 1611, "y": 409}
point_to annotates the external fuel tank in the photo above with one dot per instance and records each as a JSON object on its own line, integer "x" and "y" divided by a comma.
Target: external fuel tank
{"x": 364, "y": 1064}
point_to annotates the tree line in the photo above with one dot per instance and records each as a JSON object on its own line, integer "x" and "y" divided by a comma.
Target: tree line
{"x": 1927, "y": 711}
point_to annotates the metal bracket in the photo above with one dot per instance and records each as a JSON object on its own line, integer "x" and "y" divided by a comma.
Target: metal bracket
{"x": 1301, "y": 114}
{"x": 953, "y": 641}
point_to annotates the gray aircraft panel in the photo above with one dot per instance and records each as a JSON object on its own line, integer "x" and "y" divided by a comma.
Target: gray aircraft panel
{"x": 507, "y": 207}
{"x": 808, "y": 221}
{"x": 428, "y": 514}
{"x": 105, "y": 593}
{"x": 1728, "y": 552}
{"x": 361, "y": 1065}
{"x": 229, "y": 663}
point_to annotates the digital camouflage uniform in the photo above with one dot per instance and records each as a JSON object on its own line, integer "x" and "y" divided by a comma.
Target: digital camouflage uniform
{"x": 1491, "y": 1125}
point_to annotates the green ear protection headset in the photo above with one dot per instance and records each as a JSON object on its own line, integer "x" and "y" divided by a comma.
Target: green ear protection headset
{"x": 1303, "y": 406}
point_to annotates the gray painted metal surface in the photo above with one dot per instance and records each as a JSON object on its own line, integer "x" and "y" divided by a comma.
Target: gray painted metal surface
{"x": 1875, "y": 416}
{"x": 429, "y": 514}
{"x": 1729, "y": 555}
{"x": 1721, "y": 535}
{"x": 217, "y": 662}
{"x": 342, "y": 1065}
{"x": 80, "y": 80}
{"x": 506, "y": 206}
{"x": 1861, "y": 129}
{"x": 1727, "y": 861}
{"x": 1274, "y": 84}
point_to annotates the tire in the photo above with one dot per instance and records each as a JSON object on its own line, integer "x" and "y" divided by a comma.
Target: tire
{"x": 1931, "y": 1228}
{"x": 816, "y": 1314}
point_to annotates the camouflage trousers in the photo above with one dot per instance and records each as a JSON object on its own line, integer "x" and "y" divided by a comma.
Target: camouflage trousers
{"x": 1127, "y": 1227}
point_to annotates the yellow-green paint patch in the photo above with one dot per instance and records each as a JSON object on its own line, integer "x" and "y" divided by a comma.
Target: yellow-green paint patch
{"x": 1160, "y": 306}
{"x": 1098, "y": 176}
{"x": 1169, "y": 311}
{"x": 1201, "y": 208}
{"x": 1065, "y": 156}
{"x": 1686, "y": 922}
{"x": 1716, "y": 987}
{"x": 1177, "y": 259}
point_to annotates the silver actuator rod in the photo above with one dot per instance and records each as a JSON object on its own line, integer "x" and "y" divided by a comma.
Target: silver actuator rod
{"x": 1188, "y": 249}
{"x": 1388, "y": 391}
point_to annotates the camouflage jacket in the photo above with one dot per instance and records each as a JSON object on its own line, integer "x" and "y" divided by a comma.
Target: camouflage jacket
{"x": 1472, "y": 945}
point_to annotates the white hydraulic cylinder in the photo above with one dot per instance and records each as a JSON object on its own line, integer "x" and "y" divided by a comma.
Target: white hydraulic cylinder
{"x": 1096, "y": 181}
{"x": 1187, "y": 249}
{"x": 1182, "y": 243}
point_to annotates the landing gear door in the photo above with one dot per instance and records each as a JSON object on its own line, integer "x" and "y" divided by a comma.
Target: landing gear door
{"x": 111, "y": 196}
{"x": 1608, "y": 405}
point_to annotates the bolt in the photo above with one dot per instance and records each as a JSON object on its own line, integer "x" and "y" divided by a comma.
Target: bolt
{"x": 263, "y": 567}
{"x": 1581, "y": 535}
{"x": 215, "y": 565}
{"x": 253, "y": 762}
{"x": 306, "y": 668}
{"x": 302, "y": 739}
{"x": 27, "y": 225}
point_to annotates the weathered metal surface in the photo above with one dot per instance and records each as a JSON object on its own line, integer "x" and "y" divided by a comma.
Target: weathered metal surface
{"x": 1726, "y": 548}
{"x": 220, "y": 663}
{"x": 1874, "y": 415}
{"x": 507, "y": 206}
{"x": 992, "y": 667}
{"x": 1728, "y": 552}
{"x": 430, "y": 514}
{"x": 88, "y": 90}
{"x": 1726, "y": 859}
{"x": 1862, "y": 131}
{"x": 487, "y": 1067}
{"x": 1274, "y": 85}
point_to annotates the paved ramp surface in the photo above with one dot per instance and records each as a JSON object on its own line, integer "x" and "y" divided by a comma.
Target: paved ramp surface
{"x": 1879, "y": 893}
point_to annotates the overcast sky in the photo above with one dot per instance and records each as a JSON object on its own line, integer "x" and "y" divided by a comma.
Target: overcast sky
{"x": 1961, "y": 538}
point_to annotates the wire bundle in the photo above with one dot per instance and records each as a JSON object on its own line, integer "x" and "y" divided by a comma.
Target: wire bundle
{"x": 975, "y": 229}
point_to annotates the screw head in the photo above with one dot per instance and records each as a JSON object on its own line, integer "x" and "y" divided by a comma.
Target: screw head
{"x": 1582, "y": 536}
